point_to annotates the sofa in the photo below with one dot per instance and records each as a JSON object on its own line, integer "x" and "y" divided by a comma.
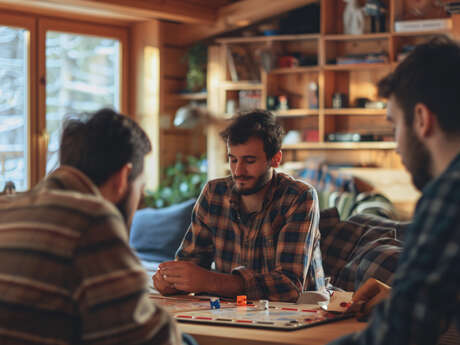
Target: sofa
{"x": 353, "y": 249}
{"x": 156, "y": 234}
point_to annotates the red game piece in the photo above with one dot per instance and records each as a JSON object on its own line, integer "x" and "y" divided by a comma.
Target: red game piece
{"x": 241, "y": 300}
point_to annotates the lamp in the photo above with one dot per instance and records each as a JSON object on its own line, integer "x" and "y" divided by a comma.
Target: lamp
{"x": 191, "y": 116}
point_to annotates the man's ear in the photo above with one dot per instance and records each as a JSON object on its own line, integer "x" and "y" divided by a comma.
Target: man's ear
{"x": 276, "y": 159}
{"x": 424, "y": 119}
{"x": 114, "y": 189}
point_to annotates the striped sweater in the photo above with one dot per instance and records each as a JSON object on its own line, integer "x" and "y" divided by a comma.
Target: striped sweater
{"x": 67, "y": 274}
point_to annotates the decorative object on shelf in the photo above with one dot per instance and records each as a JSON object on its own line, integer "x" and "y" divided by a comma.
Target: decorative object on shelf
{"x": 292, "y": 137}
{"x": 283, "y": 103}
{"x": 267, "y": 59}
{"x": 313, "y": 95}
{"x": 311, "y": 135}
{"x": 375, "y": 105}
{"x": 197, "y": 58}
{"x": 272, "y": 102}
{"x": 287, "y": 61}
{"x": 191, "y": 115}
{"x": 376, "y": 10}
{"x": 361, "y": 102}
{"x": 230, "y": 107}
{"x": 339, "y": 100}
{"x": 353, "y": 18}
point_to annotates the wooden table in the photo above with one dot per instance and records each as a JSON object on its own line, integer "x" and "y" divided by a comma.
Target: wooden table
{"x": 226, "y": 335}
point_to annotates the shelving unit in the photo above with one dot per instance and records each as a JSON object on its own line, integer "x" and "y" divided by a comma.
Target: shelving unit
{"x": 355, "y": 80}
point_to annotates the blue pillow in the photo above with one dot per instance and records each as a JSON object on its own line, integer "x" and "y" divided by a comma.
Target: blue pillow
{"x": 156, "y": 234}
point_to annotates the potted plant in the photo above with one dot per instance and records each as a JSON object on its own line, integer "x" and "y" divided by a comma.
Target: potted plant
{"x": 196, "y": 58}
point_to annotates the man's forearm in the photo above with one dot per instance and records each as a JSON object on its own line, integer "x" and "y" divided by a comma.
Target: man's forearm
{"x": 225, "y": 284}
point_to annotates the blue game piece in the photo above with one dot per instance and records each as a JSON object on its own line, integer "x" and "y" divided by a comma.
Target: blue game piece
{"x": 215, "y": 303}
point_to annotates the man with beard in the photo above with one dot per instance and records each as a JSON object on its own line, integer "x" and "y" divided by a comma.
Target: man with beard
{"x": 423, "y": 106}
{"x": 259, "y": 227}
{"x": 67, "y": 273}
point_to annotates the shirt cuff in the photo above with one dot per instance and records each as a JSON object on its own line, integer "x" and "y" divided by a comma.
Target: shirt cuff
{"x": 250, "y": 288}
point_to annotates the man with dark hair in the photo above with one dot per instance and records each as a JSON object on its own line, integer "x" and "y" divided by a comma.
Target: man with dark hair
{"x": 423, "y": 105}
{"x": 67, "y": 274}
{"x": 259, "y": 227}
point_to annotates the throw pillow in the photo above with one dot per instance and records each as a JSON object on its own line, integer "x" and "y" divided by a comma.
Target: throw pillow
{"x": 338, "y": 241}
{"x": 156, "y": 234}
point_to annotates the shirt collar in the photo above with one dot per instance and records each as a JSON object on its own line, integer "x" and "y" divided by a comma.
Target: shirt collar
{"x": 74, "y": 179}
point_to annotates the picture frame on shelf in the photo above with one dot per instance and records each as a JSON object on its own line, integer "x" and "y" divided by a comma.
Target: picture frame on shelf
{"x": 241, "y": 64}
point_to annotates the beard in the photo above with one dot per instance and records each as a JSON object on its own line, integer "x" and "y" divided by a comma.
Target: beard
{"x": 418, "y": 161}
{"x": 260, "y": 182}
{"x": 123, "y": 207}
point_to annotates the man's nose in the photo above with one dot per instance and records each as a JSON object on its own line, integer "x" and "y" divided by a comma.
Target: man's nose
{"x": 240, "y": 169}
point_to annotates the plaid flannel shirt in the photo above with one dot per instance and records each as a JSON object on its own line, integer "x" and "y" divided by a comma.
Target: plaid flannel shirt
{"x": 277, "y": 255}
{"x": 67, "y": 273}
{"x": 425, "y": 298}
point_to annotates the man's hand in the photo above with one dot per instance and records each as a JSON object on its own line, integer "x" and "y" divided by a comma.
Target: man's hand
{"x": 368, "y": 295}
{"x": 185, "y": 276}
{"x": 163, "y": 287}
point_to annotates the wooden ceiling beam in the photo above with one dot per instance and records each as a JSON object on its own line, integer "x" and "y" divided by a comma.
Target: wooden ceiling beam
{"x": 138, "y": 10}
{"x": 246, "y": 12}
{"x": 231, "y": 17}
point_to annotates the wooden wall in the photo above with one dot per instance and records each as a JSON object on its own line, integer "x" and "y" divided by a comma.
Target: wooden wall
{"x": 174, "y": 141}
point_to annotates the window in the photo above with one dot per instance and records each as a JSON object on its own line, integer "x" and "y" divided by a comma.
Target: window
{"x": 51, "y": 68}
{"x": 82, "y": 75}
{"x": 13, "y": 106}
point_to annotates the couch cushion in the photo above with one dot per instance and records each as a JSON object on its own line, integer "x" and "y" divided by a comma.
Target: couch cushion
{"x": 338, "y": 241}
{"x": 375, "y": 259}
{"x": 157, "y": 233}
{"x": 361, "y": 247}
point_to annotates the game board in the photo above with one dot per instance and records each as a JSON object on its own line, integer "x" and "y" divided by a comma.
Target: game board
{"x": 276, "y": 317}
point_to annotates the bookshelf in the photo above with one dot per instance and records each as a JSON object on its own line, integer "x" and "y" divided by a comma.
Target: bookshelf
{"x": 321, "y": 53}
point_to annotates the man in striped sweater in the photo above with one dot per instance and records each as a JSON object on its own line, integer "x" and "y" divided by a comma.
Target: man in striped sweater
{"x": 67, "y": 274}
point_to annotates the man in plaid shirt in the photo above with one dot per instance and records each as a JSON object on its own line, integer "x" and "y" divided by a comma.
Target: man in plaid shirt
{"x": 423, "y": 106}
{"x": 258, "y": 226}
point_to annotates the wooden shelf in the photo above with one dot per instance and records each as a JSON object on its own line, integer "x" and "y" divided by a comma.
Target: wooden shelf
{"x": 193, "y": 96}
{"x": 301, "y": 69}
{"x": 378, "y": 145}
{"x": 355, "y": 111}
{"x": 255, "y": 39}
{"x": 340, "y": 37}
{"x": 355, "y": 67}
{"x": 296, "y": 112}
{"x": 241, "y": 85}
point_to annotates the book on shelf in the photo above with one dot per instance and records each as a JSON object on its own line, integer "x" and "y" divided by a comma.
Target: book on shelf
{"x": 423, "y": 25}
{"x": 353, "y": 137}
{"x": 362, "y": 58}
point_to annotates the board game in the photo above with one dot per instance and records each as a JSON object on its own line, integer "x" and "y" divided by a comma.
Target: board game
{"x": 276, "y": 317}
{"x": 269, "y": 315}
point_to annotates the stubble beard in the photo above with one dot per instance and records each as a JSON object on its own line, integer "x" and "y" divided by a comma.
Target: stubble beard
{"x": 418, "y": 162}
{"x": 261, "y": 181}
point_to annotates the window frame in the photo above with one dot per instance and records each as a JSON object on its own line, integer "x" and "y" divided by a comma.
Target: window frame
{"x": 30, "y": 24}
